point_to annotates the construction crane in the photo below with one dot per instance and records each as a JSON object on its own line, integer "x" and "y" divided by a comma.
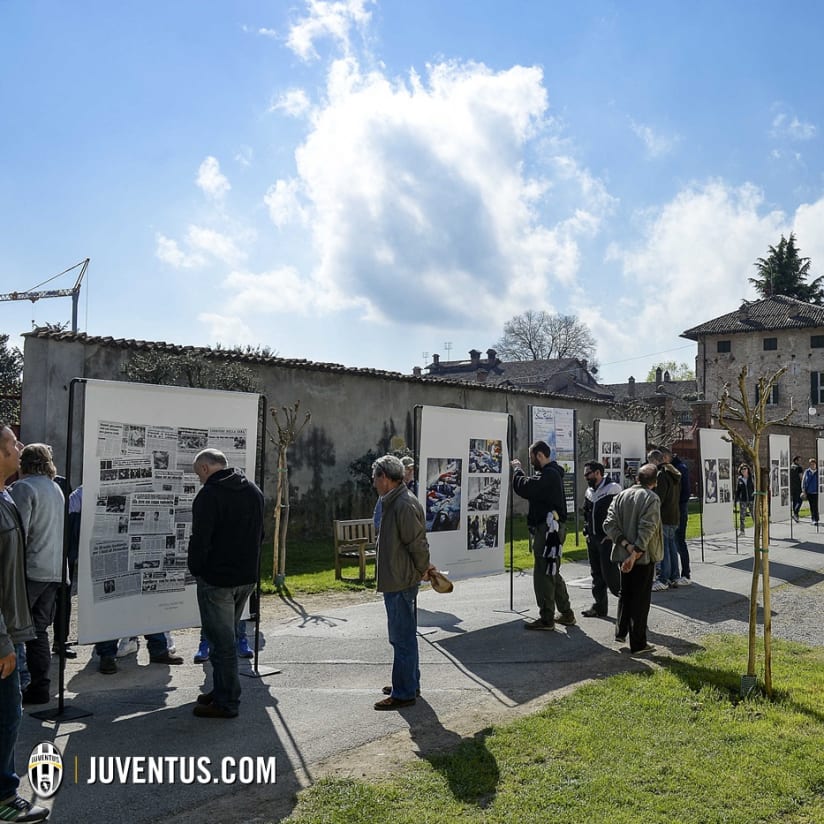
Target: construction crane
{"x": 74, "y": 292}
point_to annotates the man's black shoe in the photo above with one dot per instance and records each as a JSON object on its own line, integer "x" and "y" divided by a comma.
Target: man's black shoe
{"x": 593, "y": 613}
{"x": 165, "y": 658}
{"x": 107, "y": 665}
{"x": 540, "y": 624}
{"x": 213, "y": 711}
{"x": 31, "y": 696}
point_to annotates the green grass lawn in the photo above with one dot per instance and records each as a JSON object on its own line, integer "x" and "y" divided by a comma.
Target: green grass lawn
{"x": 668, "y": 745}
{"x": 310, "y": 563}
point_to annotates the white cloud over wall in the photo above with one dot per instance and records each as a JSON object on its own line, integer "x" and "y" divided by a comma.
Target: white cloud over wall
{"x": 211, "y": 180}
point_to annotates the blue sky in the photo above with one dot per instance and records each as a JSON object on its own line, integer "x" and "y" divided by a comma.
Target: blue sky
{"x": 361, "y": 182}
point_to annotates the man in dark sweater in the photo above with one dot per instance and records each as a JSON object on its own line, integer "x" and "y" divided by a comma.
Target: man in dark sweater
{"x": 224, "y": 552}
{"x": 545, "y": 493}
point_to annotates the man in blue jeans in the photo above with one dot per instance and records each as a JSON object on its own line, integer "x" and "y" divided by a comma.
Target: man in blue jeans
{"x": 224, "y": 553}
{"x": 668, "y": 490}
{"x": 402, "y": 563}
{"x": 16, "y": 626}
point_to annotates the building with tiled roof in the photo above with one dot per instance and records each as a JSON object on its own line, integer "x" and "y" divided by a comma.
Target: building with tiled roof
{"x": 766, "y": 335}
{"x": 569, "y": 377}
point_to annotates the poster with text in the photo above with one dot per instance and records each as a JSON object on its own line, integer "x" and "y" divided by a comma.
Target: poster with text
{"x": 138, "y": 487}
{"x": 557, "y": 428}
{"x": 780, "y": 502}
{"x": 464, "y": 488}
{"x": 621, "y": 446}
{"x": 717, "y": 481}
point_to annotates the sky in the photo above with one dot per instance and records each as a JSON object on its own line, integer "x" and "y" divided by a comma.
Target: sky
{"x": 370, "y": 183}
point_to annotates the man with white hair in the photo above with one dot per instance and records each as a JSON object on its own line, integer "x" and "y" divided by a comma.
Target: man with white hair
{"x": 402, "y": 563}
{"x": 224, "y": 555}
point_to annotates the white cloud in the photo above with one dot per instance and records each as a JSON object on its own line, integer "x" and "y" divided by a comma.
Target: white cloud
{"x": 169, "y": 252}
{"x": 283, "y": 202}
{"x": 294, "y": 102}
{"x": 656, "y": 144}
{"x": 211, "y": 180}
{"x": 267, "y": 33}
{"x": 333, "y": 19}
{"x": 244, "y": 156}
{"x": 789, "y": 126}
{"x": 423, "y": 184}
{"x": 215, "y": 244}
{"x": 226, "y": 330}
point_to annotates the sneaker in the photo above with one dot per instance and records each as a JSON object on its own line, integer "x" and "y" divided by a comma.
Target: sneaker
{"x": 673, "y": 584}
{"x": 202, "y": 654}
{"x": 17, "y": 808}
{"x": 127, "y": 646}
{"x": 644, "y": 650}
{"x": 621, "y": 639}
{"x": 107, "y": 665}
{"x": 243, "y": 650}
{"x": 566, "y": 618}
{"x": 659, "y": 586}
{"x": 170, "y": 644}
{"x": 593, "y": 613}
{"x": 539, "y": 624}
{"x": 683, "y": 582}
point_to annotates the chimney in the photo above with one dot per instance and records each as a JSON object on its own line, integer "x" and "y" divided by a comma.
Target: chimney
{"x": 416, "y": 372}
{"x": 659, "y": 375}
{"x": 436, "y": 359}
{"x": 491, "y": 357}
{"x": 475, "y": 358}
{"x": 631, "y": 387}
{"x": 667, "y": 378}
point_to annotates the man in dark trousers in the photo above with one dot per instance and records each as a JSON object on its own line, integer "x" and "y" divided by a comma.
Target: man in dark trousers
{"x": 16, "y": 626}
{"x": 796, "y": 473}
{"x": 684, "y": 514}
{"x": 545, "y": 492}
{"x": 224, "y": 552}
{"x": 633, "y": 523}
{"x": 606, "y": 577}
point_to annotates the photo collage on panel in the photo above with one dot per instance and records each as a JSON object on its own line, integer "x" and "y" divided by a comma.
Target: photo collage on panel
{"x": 724, "y": 481}
{"x": 443, "y": 494}
{"x": 483, "y": 493}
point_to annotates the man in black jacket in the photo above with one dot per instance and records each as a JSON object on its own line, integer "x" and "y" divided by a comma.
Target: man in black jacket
{"x": 545, "y": 493}
{"x": 606, "y": 577}
{"x": 224, "y": 551}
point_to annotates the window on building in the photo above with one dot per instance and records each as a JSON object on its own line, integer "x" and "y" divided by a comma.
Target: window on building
{"x": 816, "y": 341}
{"x": 724, "y": 346}
{"x": 772, "y": 400}
{"x": 816, "y": 388}
{"x": 770, "y": 344}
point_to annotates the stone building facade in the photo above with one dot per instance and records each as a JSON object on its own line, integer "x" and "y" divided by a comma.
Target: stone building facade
{"x": 766, "y": 335}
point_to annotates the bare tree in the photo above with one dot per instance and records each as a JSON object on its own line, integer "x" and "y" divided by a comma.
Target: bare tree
{"x": 541, "y": 336}
{"x": 752, "y": 421}
{"x": 288, "y": 432}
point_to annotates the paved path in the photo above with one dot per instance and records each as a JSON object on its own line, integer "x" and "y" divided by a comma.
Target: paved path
{"x": 478, "y": 667}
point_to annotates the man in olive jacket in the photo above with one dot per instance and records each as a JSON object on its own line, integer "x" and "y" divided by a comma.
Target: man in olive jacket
{"x": 633, "y": 523}
{"x": 402, "y": 563}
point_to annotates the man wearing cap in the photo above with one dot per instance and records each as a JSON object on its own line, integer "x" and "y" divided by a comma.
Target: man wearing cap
{"x": 402, "y": 563}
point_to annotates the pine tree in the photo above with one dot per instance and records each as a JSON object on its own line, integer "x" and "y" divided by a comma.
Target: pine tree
{"x": 785, "y": 272}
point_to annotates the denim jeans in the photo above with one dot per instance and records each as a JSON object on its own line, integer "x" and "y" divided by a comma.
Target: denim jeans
{"x": 11, "y": 711}
{"x": 668, "y": 570}
{"x": 403, "y": 636}
{"x": 220, "y": 611}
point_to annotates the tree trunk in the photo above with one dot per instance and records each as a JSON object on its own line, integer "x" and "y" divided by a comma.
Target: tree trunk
{"x": 765, "y": 574}
{"x": 276, "y": 540}
{"x": 284, "y": 524}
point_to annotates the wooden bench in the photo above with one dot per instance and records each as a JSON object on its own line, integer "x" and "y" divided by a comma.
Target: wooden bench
{"x": 354, "y": 539}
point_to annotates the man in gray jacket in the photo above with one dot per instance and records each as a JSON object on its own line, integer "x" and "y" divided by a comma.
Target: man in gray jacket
{"x": 41, "y": 505}
{"x": 633, "y": 523}
{"x": 15, "y": 626}
{"x": 402, "y": 563}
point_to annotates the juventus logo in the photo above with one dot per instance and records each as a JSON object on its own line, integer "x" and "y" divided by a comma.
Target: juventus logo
{"x": 45, "y": 769}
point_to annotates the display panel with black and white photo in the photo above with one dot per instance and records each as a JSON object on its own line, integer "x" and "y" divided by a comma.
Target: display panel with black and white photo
{"x": 717, "y": 485}
{"x": 138, "y": 487}
{"x": 621, "y": 448}
{"x": 465, "y": 471}
{"x": 780, "y": 503}
{"x": 557, "y": 428}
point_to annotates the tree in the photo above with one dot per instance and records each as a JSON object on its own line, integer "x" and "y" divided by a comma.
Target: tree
{"x": 784, "y": 272}
{"x": 541, "y": 336}
{"x": 745, "y": 424}
{"x": 11, "y": 381}
{"x": 678, "y": 371}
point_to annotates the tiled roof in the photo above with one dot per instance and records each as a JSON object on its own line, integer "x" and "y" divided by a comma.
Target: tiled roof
{"x": 241, "y": 357}
{"x": 773, "y": 313}
{"x": 682, "y": 392}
